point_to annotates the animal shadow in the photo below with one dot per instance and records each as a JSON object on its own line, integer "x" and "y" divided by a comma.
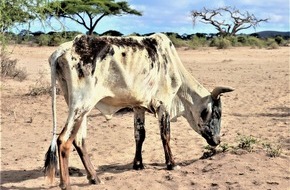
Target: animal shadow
{"x": 115, "y": 168}
{"x": 16, "y": 176}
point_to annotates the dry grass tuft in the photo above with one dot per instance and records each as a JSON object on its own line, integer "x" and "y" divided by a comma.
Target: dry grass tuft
{"x": 9, "y": 68}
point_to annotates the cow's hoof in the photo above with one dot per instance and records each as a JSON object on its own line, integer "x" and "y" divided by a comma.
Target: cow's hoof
{"x": 95, "y": 181}
{"x": 173, "y": 167}
{"x": 64, "y": 187}
{"x": 138, "y": 166}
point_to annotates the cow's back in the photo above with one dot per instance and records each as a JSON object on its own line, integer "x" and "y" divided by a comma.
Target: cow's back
{"x": 125, "y": 71}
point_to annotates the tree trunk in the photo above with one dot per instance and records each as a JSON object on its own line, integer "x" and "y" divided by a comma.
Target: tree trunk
{"x": 91, "y": 31}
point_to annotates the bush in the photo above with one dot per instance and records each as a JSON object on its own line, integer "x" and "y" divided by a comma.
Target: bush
{"x": 234, "y": 41}
{"x": 56, "y": 39}
{"x": 176, "y": 41}
{"x": 272, "y": 151}
{"x": 243, "y": 40}
{"x": 255, "y": 42}
{"x": 214, "y": 42}
{"x": 41, "y": 86}
{"x": 9, "y": 68}
{"x": 279, "y": 40}
{"x": 272, "y": 44}
{"x": 43, "y": 40}
{"x": 220, "y": 43}
{"x": 247, "y": 142}
{"x": 69, "y": 35}
{"x": 197, "y": 42}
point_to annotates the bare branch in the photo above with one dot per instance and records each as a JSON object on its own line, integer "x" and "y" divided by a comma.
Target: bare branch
{"x": 227, "y": 20}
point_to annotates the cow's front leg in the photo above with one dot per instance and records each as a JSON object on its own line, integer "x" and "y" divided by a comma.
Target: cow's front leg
{"x": 139, "y": 132}
{"x": 164, "y": 121}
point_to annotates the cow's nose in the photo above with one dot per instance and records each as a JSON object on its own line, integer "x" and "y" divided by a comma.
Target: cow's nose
{"x": 217, "y": 140}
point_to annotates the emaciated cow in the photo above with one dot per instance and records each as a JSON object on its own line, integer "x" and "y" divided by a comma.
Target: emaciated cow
{"x": 110, "y": 73}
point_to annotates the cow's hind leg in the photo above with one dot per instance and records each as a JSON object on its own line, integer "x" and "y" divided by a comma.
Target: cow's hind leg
{"x": 139, "y": 132}
{"x": 80, "y": 145}
{"x": 64, "y": 142}
{"x": 91, "y": 173}
{"x": 164, "y": 122}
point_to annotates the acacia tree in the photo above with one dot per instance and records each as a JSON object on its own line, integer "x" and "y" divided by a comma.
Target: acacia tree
{"x": 16, "y": 12}
{"x": 227, "y": 20}
{"x": 11, "y": 13}
{"x": 93, "y": 10}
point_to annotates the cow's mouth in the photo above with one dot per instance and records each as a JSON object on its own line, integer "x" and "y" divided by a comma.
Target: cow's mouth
{"x": 212, "y": 140}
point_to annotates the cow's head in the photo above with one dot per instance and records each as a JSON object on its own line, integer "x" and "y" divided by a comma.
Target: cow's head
{"x": 204, "y": 115}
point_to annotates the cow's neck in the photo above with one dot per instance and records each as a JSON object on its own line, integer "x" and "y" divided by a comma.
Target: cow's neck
{"x": 191, "y": 89}
{"x": 190, "y": 92}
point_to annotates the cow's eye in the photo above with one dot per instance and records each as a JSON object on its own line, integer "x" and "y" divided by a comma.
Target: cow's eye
{"x": 204, "y": 114}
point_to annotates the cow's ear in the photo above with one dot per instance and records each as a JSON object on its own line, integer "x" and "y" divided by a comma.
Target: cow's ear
{"x": 217, "y": 91}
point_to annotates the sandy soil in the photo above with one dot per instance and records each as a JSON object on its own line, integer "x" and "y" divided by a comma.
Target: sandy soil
{"x": 259, "y": 107}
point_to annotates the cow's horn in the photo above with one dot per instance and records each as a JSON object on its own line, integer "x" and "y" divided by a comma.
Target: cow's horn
{"x": 217, "y": 91}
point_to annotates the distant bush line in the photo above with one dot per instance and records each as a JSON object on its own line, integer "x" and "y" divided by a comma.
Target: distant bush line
{"x": 192, "y": 41}
{"x": 196, "y": 42}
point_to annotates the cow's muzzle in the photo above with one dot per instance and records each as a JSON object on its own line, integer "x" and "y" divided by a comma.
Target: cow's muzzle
{"x": 213, "y": 141}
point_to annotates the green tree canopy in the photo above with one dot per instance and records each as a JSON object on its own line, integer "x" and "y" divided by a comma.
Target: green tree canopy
{"x": 93, "y": 10}
{"x": 15, "y": 12}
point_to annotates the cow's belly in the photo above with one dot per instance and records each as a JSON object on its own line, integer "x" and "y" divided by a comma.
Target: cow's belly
{"x": 124, "y": 101}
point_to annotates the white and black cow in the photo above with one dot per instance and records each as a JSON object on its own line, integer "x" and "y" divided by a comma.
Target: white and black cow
{"x": 110, "y": 73}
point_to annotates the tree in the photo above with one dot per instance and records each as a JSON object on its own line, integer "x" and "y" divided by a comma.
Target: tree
{"x": 11, "y": 13}
{"x": 94, "y": 10}
{"x": 19, "y": 12}
{"x": 14, "y": 12}
{"x": 227, "y": 20}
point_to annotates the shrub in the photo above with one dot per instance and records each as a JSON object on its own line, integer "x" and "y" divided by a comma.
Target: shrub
{"x": 214, "y": 42}
{"x": 220, "y": 43}
{"x": 243, "y": 40}
{"x": 38, "y": 90}
{"x": 247, "y": 142}
{"x": 42, "y": 89}
{"x": 197, "y": 42}
{"x": 41, "y": 86}
{"x": 224, "y": 44}
{"x": 279, "y": 40}
{"x": 112, "y": 33}
{"x": 272, "y": 44}
{"x": 234, "y": 41}
{"x": 69, "y": 35}
{"x": 255, "y": 42}
{"x": 272, "y": 151}
{"x": 210, "y": 151}
{"x": 9, "y": 68}
{"x": 176, "y": 41}
{"x": 56, "y": 39}
{"x": 43, "y": 40}
{"x": 225, "y": 147}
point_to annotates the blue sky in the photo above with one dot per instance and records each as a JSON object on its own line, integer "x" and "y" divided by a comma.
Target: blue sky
{"x": 174, "y": 16}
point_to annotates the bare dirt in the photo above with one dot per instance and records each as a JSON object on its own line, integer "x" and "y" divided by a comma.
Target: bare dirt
{"x": 258, "y": 109}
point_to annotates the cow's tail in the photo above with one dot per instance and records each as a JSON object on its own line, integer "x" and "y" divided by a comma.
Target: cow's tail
{"x": 51, "y": 160}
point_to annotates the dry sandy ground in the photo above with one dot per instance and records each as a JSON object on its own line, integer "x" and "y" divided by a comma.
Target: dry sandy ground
{"x": 259, "y": 107}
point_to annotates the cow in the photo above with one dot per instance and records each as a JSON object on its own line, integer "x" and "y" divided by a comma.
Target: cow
{"x": 111, "y": 73}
